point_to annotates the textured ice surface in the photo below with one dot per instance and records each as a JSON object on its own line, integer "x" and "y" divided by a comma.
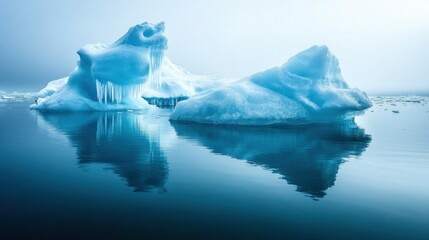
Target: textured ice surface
{"x": 308, "y": 88}
{"x": 52, "y": 87}
{"x": 112, "y": 77}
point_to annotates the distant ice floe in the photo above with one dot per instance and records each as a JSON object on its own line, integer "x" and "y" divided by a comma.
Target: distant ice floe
{"x": 394, "y": 100}
{"x": 16, "y": 96}
{"x": 395, "y": 103}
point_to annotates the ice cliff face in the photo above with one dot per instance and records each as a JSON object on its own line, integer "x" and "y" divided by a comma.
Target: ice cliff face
{"x": 308, "y": 88}
{"x": 110, "y": 77}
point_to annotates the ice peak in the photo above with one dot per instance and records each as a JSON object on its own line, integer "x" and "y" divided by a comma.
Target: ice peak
{"x": 311, "y": 63}
{"x": 316, "y": 63}
{"x": 152, "y": 37}
{"x": 145, "y": 35}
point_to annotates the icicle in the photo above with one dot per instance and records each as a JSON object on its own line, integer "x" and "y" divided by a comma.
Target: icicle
{"x": 111, "y": 93}
{"x": 156, "y": 60}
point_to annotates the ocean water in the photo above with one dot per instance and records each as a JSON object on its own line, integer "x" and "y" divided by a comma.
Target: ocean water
{"x": 135, "y": 175}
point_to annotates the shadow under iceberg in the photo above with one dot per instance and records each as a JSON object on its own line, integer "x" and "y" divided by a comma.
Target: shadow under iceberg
{"x": 307, "y": 156}
{"x": 123, "y": 140}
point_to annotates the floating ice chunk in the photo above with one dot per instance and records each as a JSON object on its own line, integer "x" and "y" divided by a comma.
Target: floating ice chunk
{"x": 111, "y": 77}
{"x": 308, "y": 88}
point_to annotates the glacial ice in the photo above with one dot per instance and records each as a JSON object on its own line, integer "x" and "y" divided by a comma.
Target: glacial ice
{"x": 111, "y": 77}
{"x": 308, "y": 88}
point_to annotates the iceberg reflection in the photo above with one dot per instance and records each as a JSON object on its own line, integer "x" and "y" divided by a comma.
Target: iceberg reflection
{"x": 306, "y": 156}
{"x": 126, "y": 141}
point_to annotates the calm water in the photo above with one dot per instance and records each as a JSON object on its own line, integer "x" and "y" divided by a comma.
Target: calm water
{"x": 135, "y": 175}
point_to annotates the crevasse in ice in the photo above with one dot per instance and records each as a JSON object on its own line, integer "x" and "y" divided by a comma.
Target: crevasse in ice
{"x": 110, "y": 77}
{"x": 308, "y": 88}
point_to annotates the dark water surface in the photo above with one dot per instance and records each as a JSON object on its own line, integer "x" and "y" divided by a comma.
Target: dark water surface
{"x": 135, "y": 175}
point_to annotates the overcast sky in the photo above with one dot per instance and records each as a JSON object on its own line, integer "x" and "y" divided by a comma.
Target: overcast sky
{"x": 382, "y": 45}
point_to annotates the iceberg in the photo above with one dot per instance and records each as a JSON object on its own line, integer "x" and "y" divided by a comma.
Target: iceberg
{"x": 111, "y": 77}
{"x": 117, "y": 76}
{"x": 308, "y": 88}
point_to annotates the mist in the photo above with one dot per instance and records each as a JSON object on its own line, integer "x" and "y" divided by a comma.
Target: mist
{"x": 382, "y": 45}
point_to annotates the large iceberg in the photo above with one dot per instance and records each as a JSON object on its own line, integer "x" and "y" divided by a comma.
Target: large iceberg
{"x": 112, "y": 76}
{"x": 308, "y": 88}
{"x": 117, "y": 76}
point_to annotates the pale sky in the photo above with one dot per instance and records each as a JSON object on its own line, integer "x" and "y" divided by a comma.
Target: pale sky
{"x": 382, "y": 45}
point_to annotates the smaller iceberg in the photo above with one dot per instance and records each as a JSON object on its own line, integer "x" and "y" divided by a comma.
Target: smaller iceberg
{"x": 308, "y": 88}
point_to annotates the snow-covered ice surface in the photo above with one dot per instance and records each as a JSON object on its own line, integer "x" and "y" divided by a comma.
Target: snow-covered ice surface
{"x": 308, "y": 88}
{"x": 112, "y": 77}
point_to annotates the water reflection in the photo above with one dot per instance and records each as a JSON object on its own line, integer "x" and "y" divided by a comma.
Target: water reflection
{"x": 127, "y": 142}
{"x": 130, "y": 144}
{"x": 306, "y": 156}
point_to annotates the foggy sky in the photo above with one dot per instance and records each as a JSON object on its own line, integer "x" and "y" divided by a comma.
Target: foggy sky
{"x": 382, "y": 45}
